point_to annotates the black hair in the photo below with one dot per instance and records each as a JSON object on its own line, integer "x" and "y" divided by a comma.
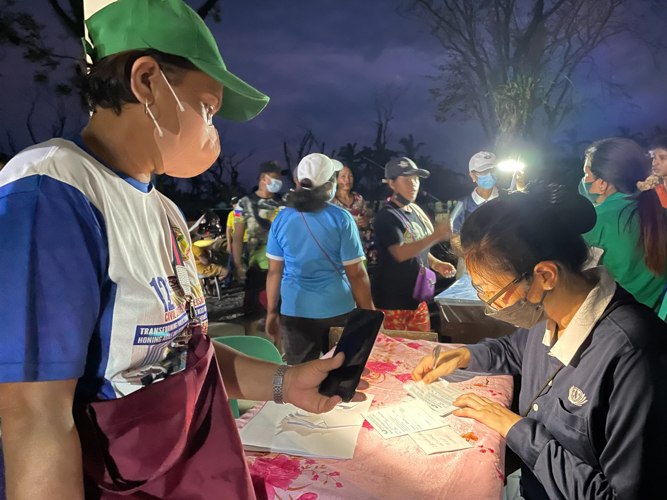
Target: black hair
{"x": 270, "y": 167}
{"x": 514, "y": 233}
{"x": 659, "y": 142}
{"x": 623, "y": 163}
{"x": 106, "y": 83}
{"x": 307, "y": 198}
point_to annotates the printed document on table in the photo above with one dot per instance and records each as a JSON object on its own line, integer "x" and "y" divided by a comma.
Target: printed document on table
{"x": 404, "y": 418}
{"x": 440, "y": 440}
{"x": 439, "y": 395}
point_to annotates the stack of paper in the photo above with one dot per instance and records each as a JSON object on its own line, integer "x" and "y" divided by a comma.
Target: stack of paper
{"x": 439, "y": 395}
{"x": 404, "y": 418}
{"x": 290, "y": 430}
{"x": 420, "y": 416}
{"x": 440, "y": 440}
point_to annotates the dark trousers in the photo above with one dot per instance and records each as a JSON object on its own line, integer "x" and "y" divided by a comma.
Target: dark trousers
{"x": 230, "y": 270}
{"x": 305, "y": 339}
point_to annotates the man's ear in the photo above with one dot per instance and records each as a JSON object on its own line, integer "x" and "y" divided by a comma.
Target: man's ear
{"x": 473, "y": 176}
{"x": 145, "y": 72}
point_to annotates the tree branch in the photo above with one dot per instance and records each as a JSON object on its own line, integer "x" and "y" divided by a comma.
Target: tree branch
{"x": 206, "y": 8}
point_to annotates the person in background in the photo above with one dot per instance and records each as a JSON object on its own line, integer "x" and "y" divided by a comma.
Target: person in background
{"x": 593, "y": 360}
{"x": 109, "y": 385}
{"x": 482, "y": 169}
{"x": 404, "y": 236}
{"x": 631, "y": 229}
{"x": 316, "y": 270}
{"x": 659, "y": 155}
{"x": 347, "y": 199}
{"x": 229, "y": 233}
{"x": 204, "y": 243}
{"x": 253, "y": 215}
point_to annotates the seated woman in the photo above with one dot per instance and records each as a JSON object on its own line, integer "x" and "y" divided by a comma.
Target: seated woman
{"x": 593, "y": 360}
{"x": 315, "y": 264}
{"x": 631, "y": 227}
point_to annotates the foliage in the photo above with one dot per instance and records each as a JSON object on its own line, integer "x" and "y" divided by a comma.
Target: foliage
{"x": 510, "y": 64}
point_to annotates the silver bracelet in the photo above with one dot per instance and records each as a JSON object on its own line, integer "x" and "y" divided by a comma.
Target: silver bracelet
{"x": 278, "y": 382}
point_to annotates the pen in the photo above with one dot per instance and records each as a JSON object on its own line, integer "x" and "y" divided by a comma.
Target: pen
{"x": 436, "y": 356}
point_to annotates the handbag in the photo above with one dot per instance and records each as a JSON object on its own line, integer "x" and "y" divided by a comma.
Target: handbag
{"x": 424, "y": 289}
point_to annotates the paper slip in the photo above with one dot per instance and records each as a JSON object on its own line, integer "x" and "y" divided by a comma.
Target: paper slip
{"x": 439, "y": 395}
{"x": 287, "y": 429}
{"x": 404, "y": 418}
{"x": 440, "y": 440}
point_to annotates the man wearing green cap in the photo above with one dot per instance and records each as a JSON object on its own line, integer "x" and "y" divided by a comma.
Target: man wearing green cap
{"x": 109, "y": 386}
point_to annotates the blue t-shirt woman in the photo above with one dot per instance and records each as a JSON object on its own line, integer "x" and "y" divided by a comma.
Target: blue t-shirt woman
{"x": 316, "y": 270}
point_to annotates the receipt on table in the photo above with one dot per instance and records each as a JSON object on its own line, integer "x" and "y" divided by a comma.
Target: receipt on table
{"x": 440, "y": 440}
{"x": 439, "y": 395}
{"x": 404, "y": 418}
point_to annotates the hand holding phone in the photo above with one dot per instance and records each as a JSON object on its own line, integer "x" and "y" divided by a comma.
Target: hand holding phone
{"x": 356, "y": 343}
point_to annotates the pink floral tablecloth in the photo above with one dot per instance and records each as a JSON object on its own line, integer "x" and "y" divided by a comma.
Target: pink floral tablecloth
{"x": 396, "y": 468}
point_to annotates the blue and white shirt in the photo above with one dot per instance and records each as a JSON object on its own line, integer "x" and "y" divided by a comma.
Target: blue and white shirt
{"x": 89, "y": 290}
{"x": 311, "y": 287}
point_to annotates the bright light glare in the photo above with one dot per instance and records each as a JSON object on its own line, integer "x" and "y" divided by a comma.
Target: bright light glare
{"x": 511, "y": 165}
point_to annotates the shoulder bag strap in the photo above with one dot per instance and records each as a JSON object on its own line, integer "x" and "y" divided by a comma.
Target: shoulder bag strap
{"x": 325, "y": 254}
{"x": 407, "y": 224}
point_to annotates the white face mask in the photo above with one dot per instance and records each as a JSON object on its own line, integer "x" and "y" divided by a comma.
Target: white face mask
{"x": 274, "y": 186}
{"x": 194, "y": 147}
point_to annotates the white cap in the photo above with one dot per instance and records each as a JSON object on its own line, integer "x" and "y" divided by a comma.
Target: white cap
{"x": 318, "y": 168}
{"x": 337, "y": 165}
{"x": 482, "y": 161}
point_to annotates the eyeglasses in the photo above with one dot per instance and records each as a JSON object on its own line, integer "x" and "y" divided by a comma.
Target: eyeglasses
{"x": 489, "y": 302}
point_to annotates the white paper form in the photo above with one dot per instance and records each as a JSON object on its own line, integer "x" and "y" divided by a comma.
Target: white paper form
{"x": 287, "y": 429}
{"x": 440, "y": 440}
{"x": 439, "y": 395}
{"x": 404, "y": 418}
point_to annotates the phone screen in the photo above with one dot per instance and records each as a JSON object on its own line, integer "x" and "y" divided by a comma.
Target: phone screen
{"x": 356, "y": 343}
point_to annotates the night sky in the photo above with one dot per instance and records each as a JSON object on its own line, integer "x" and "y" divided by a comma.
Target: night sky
{"x": 322, "y": 62}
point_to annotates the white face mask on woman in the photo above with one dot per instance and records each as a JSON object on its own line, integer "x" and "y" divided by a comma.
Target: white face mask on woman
{"x": 194, "y": 147}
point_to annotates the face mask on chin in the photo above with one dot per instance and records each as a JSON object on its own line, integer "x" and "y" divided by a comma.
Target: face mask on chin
{"x": 194, "y": 147}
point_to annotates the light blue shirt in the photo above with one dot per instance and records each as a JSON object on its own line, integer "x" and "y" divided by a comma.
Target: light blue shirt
{"x": 311, "y": 286}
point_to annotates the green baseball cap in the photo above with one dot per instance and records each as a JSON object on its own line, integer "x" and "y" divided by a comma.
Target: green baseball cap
{"x": 172, "y": 27}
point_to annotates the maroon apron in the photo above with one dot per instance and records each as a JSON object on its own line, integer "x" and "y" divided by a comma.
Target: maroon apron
{"x": 175, "y": 439}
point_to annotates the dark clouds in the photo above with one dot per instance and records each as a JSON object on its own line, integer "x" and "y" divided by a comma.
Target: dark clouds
{"x": 322, "y": 62}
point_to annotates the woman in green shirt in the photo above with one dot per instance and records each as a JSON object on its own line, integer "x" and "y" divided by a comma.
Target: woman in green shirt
{"x": 631, "y": 228}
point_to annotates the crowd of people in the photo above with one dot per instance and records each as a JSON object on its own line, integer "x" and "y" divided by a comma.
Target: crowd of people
{"x": 110, "y": 386}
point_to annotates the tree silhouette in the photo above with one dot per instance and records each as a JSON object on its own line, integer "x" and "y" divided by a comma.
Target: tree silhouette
{"x": 510, "y": 64}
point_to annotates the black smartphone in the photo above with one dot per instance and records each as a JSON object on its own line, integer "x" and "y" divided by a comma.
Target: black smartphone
{"x": 356, "y": 343}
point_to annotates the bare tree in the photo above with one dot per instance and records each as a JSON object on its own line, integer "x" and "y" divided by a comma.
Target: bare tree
{"x": 227, "y": 165}
{"x": 384, "y": 112}
{"x": 307, "y": 144}
{"x": 505, "y": 60}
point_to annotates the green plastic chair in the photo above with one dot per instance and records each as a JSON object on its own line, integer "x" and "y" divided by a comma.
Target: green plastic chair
{"x": 257, "y": 347}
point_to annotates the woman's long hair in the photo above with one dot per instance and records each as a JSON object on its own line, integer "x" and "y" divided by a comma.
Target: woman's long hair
{"x": 310, "y": 199}
{"x": 623, "y": 163}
